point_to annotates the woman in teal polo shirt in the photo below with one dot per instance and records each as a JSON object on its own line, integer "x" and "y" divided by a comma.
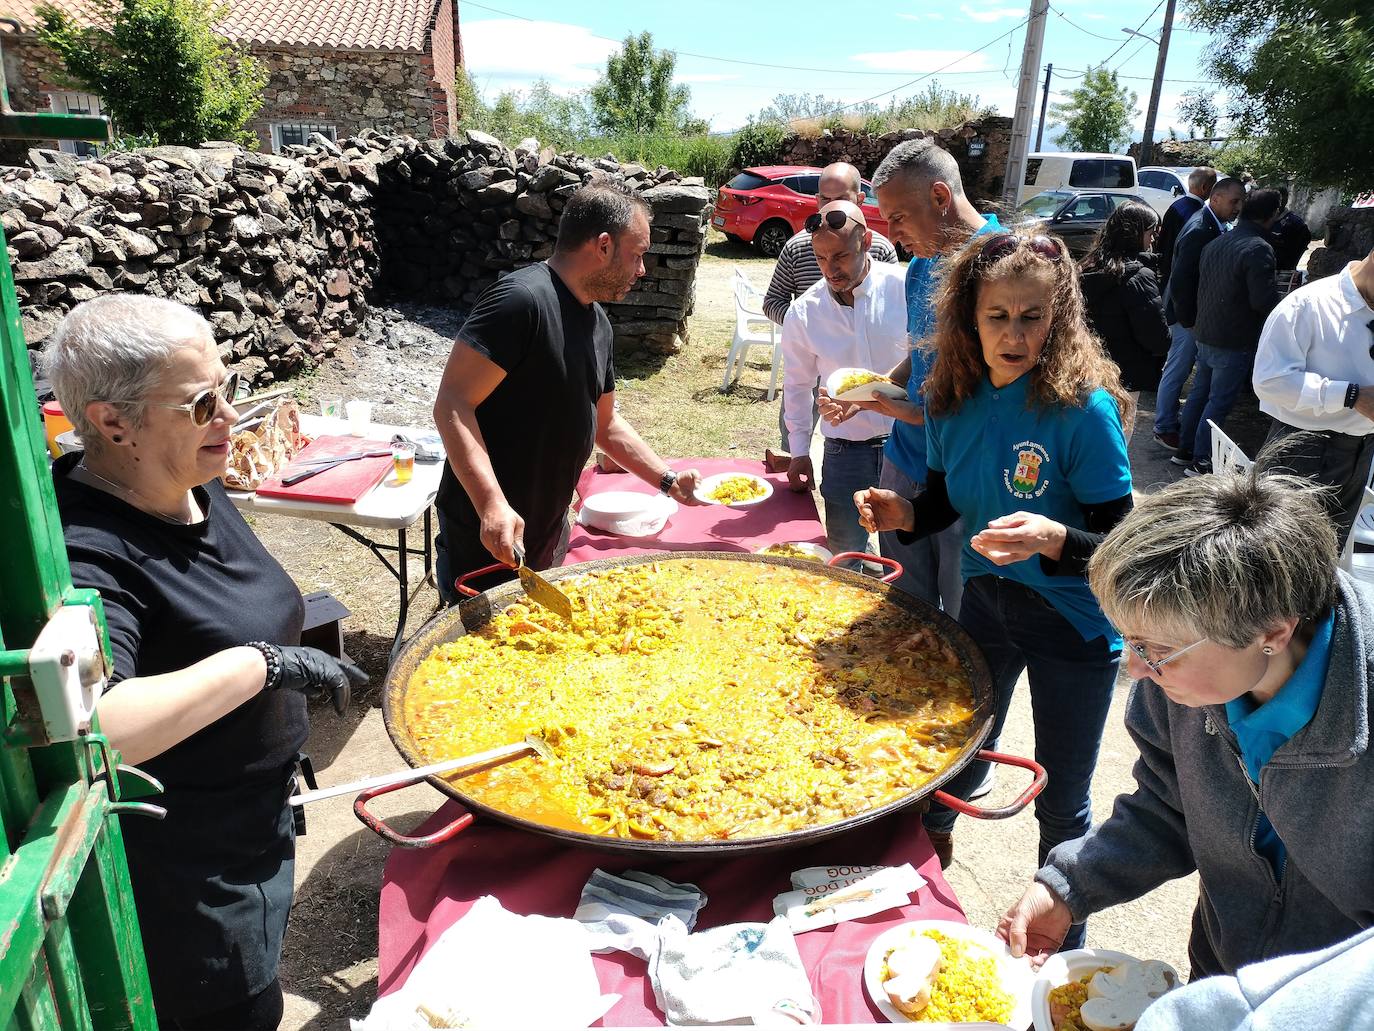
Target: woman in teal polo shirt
{"x": 1024, "y": 413}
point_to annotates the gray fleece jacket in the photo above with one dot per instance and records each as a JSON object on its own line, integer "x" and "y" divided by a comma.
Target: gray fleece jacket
{"x": 1194, "y": 808}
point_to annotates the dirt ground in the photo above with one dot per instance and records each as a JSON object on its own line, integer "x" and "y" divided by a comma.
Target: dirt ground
{"x": 330, "y": 964}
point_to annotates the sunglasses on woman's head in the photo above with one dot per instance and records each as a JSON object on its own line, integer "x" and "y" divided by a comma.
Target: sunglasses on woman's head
{"x": 832, "y": 220}
{"x": 1003, "y": 244}
{"x": 202, "y": 407}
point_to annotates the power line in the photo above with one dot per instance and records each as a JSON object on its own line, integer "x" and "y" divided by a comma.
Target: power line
{"x": 1080, "y": 28}
{"x": 703, "y": 57}
{"x": 1134, "y": 54}
{"x": 1146, "y": 78}
{"x": 912, "y": 82}
{"x": 1142, "y": 24}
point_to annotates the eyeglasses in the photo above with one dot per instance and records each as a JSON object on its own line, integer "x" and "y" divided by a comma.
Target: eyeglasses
{"x": 833, "y": 220}
{"x": 1370, "y": 326}
{"x": 1003, "y": 244}
{"x": 1152, "y": 665}
{"x": 202, "y": 407}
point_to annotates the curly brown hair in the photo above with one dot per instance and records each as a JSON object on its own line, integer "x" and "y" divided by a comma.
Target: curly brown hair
{"x": 1073, "y": 363}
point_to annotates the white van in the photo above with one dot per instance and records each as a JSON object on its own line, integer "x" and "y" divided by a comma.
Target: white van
{"x": 1110, "y": 173}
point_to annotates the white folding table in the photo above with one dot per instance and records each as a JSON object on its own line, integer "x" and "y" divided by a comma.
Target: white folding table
{"x": 387, "y": 506}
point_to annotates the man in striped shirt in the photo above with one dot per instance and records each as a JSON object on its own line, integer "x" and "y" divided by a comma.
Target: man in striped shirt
{"x": 797, "y": 270}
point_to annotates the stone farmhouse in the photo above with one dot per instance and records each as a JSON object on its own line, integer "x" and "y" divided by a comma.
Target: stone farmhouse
{"x": 336, "y": 66}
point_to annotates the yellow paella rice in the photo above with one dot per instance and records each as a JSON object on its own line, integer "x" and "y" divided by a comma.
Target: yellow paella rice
{"x": 791, "y": 551}
{"x": 737, "y": 488}
{"x": 860, "y": 378}
{"x": 1066, "y": 1002}
{"x": 968, "y": 987}
{"x": 697, "y": 700}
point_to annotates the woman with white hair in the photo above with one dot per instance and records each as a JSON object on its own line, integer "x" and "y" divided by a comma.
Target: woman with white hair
{"x": 208, "y": 690}
{"x": 1251, "y": 712}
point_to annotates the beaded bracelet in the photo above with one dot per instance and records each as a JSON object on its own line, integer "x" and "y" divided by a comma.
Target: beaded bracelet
{"x": 272, "y": 656}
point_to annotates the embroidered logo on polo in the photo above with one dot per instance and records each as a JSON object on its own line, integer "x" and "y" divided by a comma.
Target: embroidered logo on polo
{"x": 1025, "y": 481}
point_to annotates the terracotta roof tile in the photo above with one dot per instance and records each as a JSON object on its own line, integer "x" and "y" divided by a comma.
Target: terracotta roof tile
{"x": 321, "y": 24}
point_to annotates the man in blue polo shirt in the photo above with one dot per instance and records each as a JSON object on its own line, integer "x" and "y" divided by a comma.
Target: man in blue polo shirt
{"x": 921, "y": 194}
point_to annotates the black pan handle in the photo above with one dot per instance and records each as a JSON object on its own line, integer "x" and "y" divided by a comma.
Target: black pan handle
{"x": 1016, "y": 805}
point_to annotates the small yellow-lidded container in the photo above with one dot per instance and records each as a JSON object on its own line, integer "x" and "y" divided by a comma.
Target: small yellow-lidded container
{"x": 55, "y": 421}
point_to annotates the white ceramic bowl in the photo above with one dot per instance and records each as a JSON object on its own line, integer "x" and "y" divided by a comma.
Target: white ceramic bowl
{"x": 711, "y": 482}
{"x": 1062, "y": 968}
{"x": 627, "y": 513}
{"x": 824, "y": 554}
{"x": 1017, "y": 977}
{"x": 863, "y": 393}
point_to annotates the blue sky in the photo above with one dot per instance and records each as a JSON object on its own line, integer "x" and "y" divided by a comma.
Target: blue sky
{"x": 876, "y": 49}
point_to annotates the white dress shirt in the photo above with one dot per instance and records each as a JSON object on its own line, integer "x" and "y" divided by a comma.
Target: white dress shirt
{"x": 820, "y": 335}
{"x": 1314, "y": 345}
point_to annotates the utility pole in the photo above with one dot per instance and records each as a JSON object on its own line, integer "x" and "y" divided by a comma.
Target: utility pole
{"x": 1025, "y": 101}
{"x": 1147, "y": 140}
{"x": 1044, "y": 103}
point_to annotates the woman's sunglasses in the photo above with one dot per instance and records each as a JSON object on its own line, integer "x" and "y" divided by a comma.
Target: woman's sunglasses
{"x": 1003, "y": 244}
{"x": 202, "y": 407}
{"x": 832, "y": 220}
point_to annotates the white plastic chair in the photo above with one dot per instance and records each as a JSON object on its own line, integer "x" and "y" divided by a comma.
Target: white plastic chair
{"x": 1360, "y": 564}
{"x": 749, "y": 320}
{"x": 1226, "y": 454}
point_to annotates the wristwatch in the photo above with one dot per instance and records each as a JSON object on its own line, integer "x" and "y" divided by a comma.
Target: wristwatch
{"x": 1352, "y": 394}
{"x": 666, "y": 481}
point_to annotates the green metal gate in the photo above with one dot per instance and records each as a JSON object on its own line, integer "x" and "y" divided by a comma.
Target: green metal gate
{"x": 70, "y": 952}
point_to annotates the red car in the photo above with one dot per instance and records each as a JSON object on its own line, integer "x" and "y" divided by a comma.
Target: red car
{"x": 767, "y": 205}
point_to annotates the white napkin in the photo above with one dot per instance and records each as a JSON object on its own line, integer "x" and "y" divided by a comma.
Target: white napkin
{"x": 494, "y": 969}
{"x": 736, "y": 974}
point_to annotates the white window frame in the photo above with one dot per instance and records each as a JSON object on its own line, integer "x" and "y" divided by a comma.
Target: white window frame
{"x": 332, "y": 131}
{"x": 72, "y": 102}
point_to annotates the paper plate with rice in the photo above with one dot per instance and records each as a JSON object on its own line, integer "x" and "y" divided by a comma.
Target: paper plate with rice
{"x": 941, "y": 974}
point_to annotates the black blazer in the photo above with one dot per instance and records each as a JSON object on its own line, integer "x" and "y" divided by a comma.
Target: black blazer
{"x": 1180, "y": 296}
{"x": 1174, "y": 220}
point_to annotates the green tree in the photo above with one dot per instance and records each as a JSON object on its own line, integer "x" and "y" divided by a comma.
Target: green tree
{"x": 1300, "y": 75}
{"x": 1098, "y": 114}
{"x": 160, "y": 68}
{"x": 1198, "y": 109}
{"x": 551, "y": 118}
{"x": 636, "y": 93}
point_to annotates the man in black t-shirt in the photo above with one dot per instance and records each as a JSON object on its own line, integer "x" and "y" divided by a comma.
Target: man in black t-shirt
{"x": 530, "y": 388}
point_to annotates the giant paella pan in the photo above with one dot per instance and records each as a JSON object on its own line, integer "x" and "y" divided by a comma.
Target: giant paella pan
{"x": 697, "y": 702}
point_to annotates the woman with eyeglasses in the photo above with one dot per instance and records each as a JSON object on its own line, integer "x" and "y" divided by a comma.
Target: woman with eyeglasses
{"x": 1122, "y": 298}
{"x": 1251, "y": 708}
{"x": 1023, "y": 420}
{"x": 208, "y": 688}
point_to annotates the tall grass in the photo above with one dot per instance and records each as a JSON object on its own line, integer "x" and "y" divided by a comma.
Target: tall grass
{"x": 705, "y": 156}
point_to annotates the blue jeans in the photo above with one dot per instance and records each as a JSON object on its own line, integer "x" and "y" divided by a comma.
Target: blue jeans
{"x": 848, "y": 466}
{"x": 1182, "y": 354}
{"x": 1071, "y": 683}
{"x": 1221, "y": 374}
{"x": 930, "y": 567}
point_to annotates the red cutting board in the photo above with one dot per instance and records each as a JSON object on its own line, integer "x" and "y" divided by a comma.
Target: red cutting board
{"x": 342, "y": 485}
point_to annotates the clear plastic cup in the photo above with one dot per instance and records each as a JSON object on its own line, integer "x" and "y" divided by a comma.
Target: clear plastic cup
{"x": 332, "y": 407}
{"x": 403, "y": 461}
{"x": 359, "y": 417}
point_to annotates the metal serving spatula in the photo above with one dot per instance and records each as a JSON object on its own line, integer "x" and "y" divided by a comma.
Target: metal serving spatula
{"x": 540, "y": 591}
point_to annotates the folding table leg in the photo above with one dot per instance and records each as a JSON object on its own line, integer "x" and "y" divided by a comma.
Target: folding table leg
{"x": 403, "y": 575}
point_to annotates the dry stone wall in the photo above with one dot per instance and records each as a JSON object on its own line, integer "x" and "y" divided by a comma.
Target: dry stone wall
{"x": 280, "y": 252}
{"x": 1349, "y": 237}
{"x": 982, "y": 164}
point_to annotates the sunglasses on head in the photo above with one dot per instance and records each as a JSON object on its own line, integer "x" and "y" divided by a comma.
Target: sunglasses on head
{"x": 202, "y": 407}
{"x": 1003, "y": 244}
{"x": 832, "y": 220}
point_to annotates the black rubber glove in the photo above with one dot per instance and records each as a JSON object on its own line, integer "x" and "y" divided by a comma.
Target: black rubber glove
{"x": 313, "y": 673}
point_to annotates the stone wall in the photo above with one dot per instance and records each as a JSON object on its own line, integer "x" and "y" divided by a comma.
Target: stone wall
{"x": 1349, "y": 237}
{"x": 279, "y": 252}
{"x": 353, "y": 90}
{"x": 982, "y": 173}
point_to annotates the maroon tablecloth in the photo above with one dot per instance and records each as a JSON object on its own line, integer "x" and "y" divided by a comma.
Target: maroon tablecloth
{"x": 426, "y": 890}
{"x": 783, "y": 517}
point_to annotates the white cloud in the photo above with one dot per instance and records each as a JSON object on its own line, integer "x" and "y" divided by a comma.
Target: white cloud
{"x": 509, "y": 53}
{"x": 918, "y": 61}
{"x": 704, "y": 77}
{"x": 993, "y": 14}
